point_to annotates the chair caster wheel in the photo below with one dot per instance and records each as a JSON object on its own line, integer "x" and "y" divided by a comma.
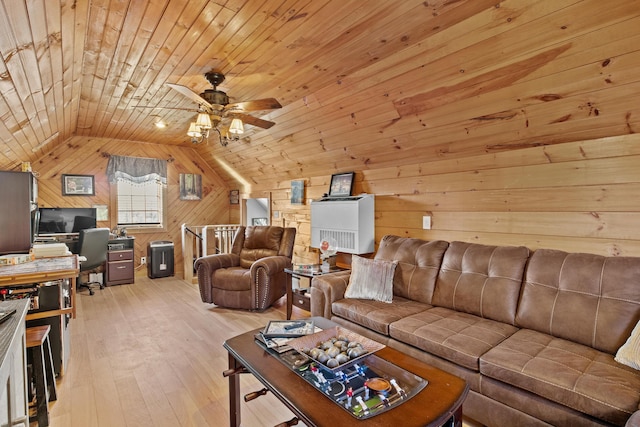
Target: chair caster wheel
{"x": 90, "y": 291}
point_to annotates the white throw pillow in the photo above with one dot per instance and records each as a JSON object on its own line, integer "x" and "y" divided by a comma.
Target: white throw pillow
{"x": 629, "y": 353}
{"x": 371, "y": 279}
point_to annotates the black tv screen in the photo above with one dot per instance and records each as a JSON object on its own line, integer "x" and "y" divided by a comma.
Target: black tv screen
{"x": 65, "y": 220}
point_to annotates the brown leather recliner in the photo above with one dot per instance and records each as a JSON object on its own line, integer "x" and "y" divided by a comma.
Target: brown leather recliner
{"x": 252, "y": 276}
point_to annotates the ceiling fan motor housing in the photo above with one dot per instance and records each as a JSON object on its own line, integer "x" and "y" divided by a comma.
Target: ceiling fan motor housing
{"x": 215, "y": 97}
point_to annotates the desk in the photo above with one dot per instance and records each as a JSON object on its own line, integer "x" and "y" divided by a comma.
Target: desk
{"x": 13, "y": 370}
{"x": 43, "y": 270}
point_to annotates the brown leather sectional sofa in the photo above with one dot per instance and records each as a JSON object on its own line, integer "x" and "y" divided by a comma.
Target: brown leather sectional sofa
{"x": 534, "y": 333}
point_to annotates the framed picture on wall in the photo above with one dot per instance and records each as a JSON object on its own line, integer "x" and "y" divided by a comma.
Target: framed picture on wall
{"x": 341, "y": 184}
{"x": 78, "y": 185}
{"x": 259, "y": 221}
{"x": 234, "y": 197}
{"x": 190, "y": 186}
{"x": 297, "y": 192}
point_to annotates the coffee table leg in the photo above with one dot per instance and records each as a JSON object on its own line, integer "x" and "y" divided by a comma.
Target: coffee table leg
{"x": 234, "y": 394}
{"x": 289, "y": 295}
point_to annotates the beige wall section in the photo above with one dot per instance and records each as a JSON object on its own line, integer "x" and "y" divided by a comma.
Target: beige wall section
{"x": 577, "y": 196}
{"x": 88, "y": 156}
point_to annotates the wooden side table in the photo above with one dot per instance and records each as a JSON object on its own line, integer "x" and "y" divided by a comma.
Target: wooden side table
{"x": 301, "y": 297}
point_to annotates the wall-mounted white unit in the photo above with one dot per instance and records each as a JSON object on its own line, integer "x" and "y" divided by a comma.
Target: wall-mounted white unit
{"x": 348, "y": 221}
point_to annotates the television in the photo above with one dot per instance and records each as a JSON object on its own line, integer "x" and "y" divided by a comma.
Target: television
{"x": 56, "y": 221}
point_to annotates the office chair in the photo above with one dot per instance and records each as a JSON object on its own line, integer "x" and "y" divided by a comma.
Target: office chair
{"x": 92, "y": 249}
{"x": 83, "y": 222}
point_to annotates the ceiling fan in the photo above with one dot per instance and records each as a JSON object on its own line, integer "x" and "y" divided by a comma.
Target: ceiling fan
{"x": 213, "y": 106}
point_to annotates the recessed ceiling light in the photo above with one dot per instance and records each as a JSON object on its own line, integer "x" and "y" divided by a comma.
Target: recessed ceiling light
{"x": 160, "y": 124}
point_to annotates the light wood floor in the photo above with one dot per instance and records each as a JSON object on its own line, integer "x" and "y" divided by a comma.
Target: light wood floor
{"x": 150, "y": 354}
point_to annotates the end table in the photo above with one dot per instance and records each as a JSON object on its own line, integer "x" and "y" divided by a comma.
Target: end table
{"x": 300, "y": 296}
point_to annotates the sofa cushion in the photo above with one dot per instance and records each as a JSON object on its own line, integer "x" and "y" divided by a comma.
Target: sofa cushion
{"x": 418, "y": 265}
{"x": 567, "y": 373}
{"x": 376, "y": 315}
{"x": 371, "y": 279}
{"x": 589, "y": 299}
{"x": 455, "y": 336}
{"x": 481, "y": 280}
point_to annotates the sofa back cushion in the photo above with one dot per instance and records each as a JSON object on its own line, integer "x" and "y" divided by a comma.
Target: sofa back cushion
{"x": 481, "y": 280}
{"x": 418, "y": 265}
{"x": 589, "y": 299}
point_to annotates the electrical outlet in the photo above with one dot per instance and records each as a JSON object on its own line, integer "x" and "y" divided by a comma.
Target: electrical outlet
{"x": 143, "y": 260}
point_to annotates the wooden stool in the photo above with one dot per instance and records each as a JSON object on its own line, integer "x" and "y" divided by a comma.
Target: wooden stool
{"x": 44, "y": 376}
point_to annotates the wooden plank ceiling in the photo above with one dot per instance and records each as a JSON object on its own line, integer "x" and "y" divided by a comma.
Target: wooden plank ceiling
{"x": 363, "y": 84}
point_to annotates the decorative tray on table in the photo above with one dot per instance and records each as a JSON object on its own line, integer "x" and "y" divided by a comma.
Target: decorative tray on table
{"x": 364, "y": 385}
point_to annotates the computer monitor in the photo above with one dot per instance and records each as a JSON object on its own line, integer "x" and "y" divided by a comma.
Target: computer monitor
{"x": 57, "y": 221}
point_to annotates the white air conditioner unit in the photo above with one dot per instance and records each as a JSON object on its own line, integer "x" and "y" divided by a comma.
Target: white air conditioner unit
{"x": 348, "y": 221}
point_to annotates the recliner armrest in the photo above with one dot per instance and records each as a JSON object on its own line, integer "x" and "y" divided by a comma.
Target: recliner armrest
{"x": 326, "y": 289}
{"x": 268, "y": 280}
{"x": 271, "y": 265}
{"x": 206, "y": 267}
{"x": 211, "y": 263}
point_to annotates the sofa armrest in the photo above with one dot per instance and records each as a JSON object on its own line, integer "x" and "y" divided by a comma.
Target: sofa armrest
{"x": 326, "y": 289}
{"x": 207, "y": 266}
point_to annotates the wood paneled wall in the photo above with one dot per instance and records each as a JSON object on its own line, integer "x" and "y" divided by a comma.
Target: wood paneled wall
{"x": 89, "y": 156}
{"x": 577, "y": 196}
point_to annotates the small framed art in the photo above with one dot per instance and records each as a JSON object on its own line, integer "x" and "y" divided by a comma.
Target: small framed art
{"x": 190, "y": 186}
{"x": 297, "y": 192}
{"x": 234, "y": 197}
{"x": 341, "y": 184}
{"x": 78, "y": 185}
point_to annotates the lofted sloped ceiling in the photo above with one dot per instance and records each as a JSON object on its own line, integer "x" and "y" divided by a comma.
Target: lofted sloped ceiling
{"x": 363, "y": 84}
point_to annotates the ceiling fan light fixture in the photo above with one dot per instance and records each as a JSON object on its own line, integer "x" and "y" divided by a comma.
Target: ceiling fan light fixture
{"x": 237, "y": 127}
{"x": 203, "y": 121}
{"x": 193, "y": 131}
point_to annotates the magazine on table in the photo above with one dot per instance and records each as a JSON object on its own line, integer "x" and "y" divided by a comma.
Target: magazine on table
{"x": 288, "y": 328}
{"x": 278, "y": 333}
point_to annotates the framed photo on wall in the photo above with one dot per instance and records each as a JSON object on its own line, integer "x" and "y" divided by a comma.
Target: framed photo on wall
{"x": 259, "y": 221}
{"x": 297, "y": 192}
{"x": 190, "y": 186}
{"x": 78, "y": 185}
{"x": 234, "y": 197}
{"x": 341, "y": 184}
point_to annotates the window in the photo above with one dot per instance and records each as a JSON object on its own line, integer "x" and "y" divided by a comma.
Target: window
{"x": 138, "y": 191}
{"x": 140, "y": 204}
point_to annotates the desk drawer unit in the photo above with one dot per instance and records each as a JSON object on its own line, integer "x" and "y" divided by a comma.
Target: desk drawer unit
{"x": 120, "y": 268}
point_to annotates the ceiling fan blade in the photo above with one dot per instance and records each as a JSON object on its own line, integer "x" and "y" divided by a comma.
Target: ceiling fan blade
{"x": 193, "y": 110}
{"x": 254, "y": 121}
{"x": 185, "y": 91}
{"x": 257, "y": 105}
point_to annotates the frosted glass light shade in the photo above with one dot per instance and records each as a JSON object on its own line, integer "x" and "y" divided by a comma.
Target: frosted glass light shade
{"x": 236, "y": 128}
{"x": 203, "y": 121}
{"x": 193, "y": 131}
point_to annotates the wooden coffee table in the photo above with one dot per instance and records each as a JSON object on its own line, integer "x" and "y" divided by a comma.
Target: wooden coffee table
{"x": 440, "y": 403}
